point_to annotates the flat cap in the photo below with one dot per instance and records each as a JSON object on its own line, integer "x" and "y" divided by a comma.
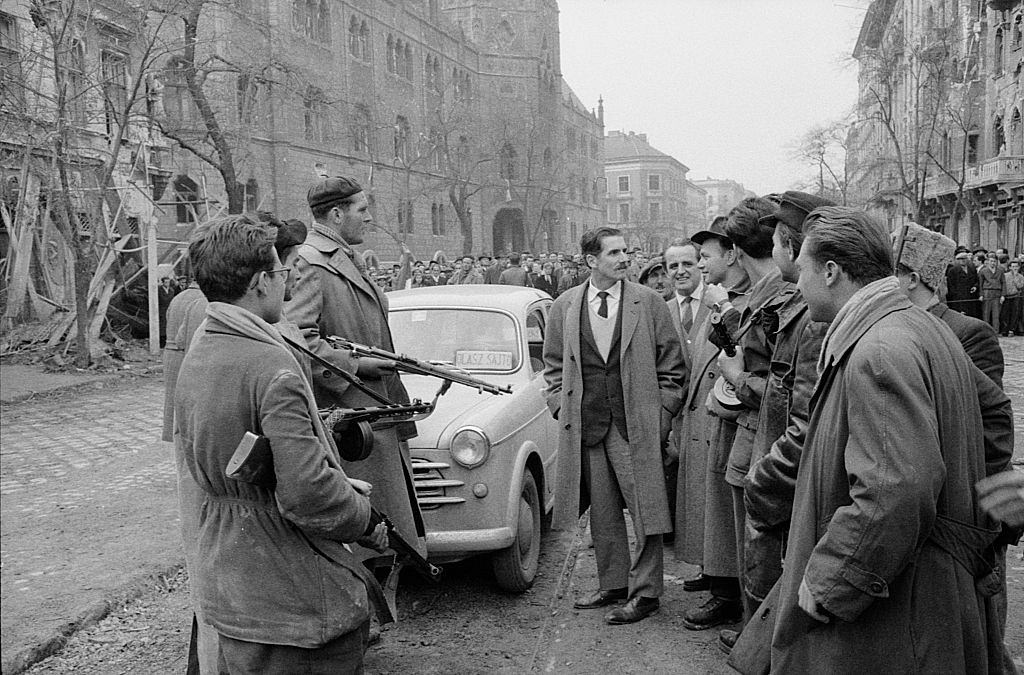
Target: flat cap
{"x": 650, "y": 268}
{"x": 331, "y": 190}
{"x": 291, "y": 232}
{"x": 926, "y": 252}
{"x": 793, "y": 209}
{"x": 716, "y": 229}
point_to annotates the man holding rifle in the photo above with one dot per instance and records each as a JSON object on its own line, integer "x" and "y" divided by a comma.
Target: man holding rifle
{"x": 272, "y": 575}
{"x": 333, "y": 296}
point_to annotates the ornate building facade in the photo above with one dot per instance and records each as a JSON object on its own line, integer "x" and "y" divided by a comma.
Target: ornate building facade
{"x": 939, "y": 137}
{"x": 649, "y": 197}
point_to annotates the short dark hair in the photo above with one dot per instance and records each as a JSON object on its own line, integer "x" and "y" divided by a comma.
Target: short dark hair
{"x": 679, "y": 242}
{"x": 227, "y": 253}
{"x": 514, "y": 258}
{"x": 590, "y": 242}
{"x": 851, "y": 238}
{"x": 746, "y": 232}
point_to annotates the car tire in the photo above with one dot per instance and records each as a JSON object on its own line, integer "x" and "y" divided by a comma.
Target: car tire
{"x": 516, "y": 566}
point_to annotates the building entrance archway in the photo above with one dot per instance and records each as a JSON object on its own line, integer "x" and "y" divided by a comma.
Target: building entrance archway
{"x": 508, "y": 232}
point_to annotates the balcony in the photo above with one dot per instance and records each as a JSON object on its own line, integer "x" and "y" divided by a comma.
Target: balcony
{"x": 1007, "y": 169}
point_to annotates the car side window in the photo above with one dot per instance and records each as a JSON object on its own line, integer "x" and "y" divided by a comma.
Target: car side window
{"x": 535, "y": 339}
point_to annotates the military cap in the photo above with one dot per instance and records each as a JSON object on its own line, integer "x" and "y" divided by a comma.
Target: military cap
{"x": 291, "y": 232}
{"x": 926, "y": 252}
{"x": 331, "y": 190}
{"x": 716, "y": 230}
{"x": 793, "y": 209}
{"x": 651, "y": 267}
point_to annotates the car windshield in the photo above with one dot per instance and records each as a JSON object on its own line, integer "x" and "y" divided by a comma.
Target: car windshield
{"x": 471, "y": 339}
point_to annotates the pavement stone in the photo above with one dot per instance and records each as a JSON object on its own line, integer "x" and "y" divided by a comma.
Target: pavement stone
{"x": 88, "y": 507}
{"x": 20, "y": 382}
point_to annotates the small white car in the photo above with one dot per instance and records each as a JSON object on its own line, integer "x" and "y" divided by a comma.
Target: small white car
{"x": 483, "y": 463}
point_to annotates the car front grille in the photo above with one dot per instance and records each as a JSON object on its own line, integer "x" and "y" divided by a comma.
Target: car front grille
{"x": 431, "y": 486}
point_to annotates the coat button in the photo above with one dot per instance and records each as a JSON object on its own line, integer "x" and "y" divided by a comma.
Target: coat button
{"x": 328, "y": 374}
{"x": 569, "y": 393}
{"x": 877, "y": 587}
{"x": 711, "y": 376}
{"x": 567, "y": 426}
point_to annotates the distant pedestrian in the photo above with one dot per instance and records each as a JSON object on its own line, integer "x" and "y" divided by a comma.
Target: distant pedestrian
{"x": 992, "y": 282}
{"x": 466, "y": 273}
{"x": 514, "y": 275}
{"x": 962, "y": 285}
{"x": 1013, "y": 309}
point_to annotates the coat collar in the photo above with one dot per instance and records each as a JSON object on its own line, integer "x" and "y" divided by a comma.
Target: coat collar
{"x": 339, "y": 257}
{"x": 862, "y": 311}
{"x": 792, "y": 309}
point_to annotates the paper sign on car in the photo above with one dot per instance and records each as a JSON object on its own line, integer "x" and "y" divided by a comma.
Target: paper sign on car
{"x": 483, "y": 360}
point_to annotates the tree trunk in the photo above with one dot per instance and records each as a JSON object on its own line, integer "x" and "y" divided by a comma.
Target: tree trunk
{"x": 83, "y": 275}
{"x": 457, "y": 196}
{"x": 236, "y": 195}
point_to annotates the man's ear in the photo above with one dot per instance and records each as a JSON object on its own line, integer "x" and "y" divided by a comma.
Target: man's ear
{"x": 832, "y": 272}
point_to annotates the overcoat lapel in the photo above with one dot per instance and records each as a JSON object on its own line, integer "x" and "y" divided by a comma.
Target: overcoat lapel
{"x": 572, "y": 320}
{"x": 630, "y": 308}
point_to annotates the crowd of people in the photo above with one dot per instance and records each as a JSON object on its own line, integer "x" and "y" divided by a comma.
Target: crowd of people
{"x": 783, "y": 400}
{"x": 988, "y": 285}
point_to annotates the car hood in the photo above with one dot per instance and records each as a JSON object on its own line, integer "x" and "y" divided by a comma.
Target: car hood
{"x": 459, "y": 406}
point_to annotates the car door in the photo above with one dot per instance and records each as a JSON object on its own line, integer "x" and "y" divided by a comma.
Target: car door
{"x": 543, "y": 426}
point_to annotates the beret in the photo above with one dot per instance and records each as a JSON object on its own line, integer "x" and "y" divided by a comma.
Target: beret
{"x": 926, "y": 252}
{"x": 331, "y": 190}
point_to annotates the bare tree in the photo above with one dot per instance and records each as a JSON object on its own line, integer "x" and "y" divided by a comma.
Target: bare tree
{"x": 823, "y": 148}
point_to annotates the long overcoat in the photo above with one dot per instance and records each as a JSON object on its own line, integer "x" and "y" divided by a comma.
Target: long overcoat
{"x": 895, "y": 441}
{"x": 653, "y": 378}
{"x": 331, "y": 297}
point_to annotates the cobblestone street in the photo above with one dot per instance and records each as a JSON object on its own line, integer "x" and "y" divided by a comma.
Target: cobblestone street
{"x": 87, "y": 502}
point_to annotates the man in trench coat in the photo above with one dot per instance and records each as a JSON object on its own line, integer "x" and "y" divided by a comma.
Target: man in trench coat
{"x": 615, "y": 376}
{"x": 886, "y": 562}
{"x": 332, "y": 295}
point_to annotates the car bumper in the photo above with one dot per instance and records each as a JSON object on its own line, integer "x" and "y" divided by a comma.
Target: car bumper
{"x": 469, "y": 541}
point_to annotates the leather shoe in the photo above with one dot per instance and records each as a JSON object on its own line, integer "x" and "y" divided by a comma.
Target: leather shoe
{"x": 601, "y": 598}
{"x": 727, "y": 640}
{"x": 636, "y": 609}
{"x": 714, "y": 612}
{"x": 697, "y": 583}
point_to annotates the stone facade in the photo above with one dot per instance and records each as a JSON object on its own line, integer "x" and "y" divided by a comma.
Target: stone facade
{"x": 958, "y": 64}
{"x": 649, "y": 197}
{"x": 722, "y": 195}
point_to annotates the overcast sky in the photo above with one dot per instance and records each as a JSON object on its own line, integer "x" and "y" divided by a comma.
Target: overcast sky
{"x": 724, "y": 86}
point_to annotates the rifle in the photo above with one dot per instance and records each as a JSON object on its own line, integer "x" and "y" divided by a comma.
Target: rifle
{"x": 408, "y": 364}
{"x": 253, "y": 462}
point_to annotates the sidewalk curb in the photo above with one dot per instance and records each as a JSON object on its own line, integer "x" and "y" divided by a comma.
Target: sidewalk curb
{"x": 103, "y": 379}
{"x": 119, "y": 597}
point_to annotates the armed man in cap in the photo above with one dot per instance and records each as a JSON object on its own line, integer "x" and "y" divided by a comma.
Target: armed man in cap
{"x": 334, "y": 296}
{"x": 888, "y": 561}
{"x": 782, "y": 421}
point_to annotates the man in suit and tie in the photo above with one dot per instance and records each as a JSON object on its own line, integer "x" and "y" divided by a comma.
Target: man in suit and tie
{"x": 614, "y": 376}
{"x": 334, "y": 296}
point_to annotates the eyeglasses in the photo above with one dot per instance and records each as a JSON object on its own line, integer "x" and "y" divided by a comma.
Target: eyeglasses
{"x": 279, "y": 269}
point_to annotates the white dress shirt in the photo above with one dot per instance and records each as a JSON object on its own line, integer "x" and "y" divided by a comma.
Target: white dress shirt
{"x": 603, "y": 327}
{"x": 693, "y": 299}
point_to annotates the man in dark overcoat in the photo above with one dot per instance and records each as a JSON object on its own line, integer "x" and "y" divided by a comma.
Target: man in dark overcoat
{"x": 886, "y": 564}
{"x": 615, "y": 375}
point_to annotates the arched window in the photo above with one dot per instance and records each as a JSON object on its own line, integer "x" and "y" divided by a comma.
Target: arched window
{"x": 186, "y": 197}
{"x": 547, "y": 158}
{"x": 315, "y": 121}
{"x": 353, "y": 38}
{"x": 361, "y": 129}
{"x": 1015, "y": 146}
{"x": 322, "y": 32}
{"x": 433, "y": 218}
{"x": 178, "y": 105}
{"x": 407, "y": 72}
{"x": 252, "y": 195}
{"x": 364, "y": 41}
{"x": 998, "y": 141}
{"x": 440, "y": 219}
{"x": 508, "y": 162}
{"x": 428, "y": 71}
{"x": 391, "y": 54}
{"x": 401, "y": 139}
{"x": 997, "y": 56}
{"x": 466, "y": 88}
{"x": 299, "y": 16}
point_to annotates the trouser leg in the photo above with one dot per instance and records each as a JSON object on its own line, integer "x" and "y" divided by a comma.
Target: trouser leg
{"x": 341, "y": 656}
{"x": 740, "y": 524}
{"x": 607, "y": 524}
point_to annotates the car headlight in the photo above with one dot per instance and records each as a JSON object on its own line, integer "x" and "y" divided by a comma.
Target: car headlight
{"x": 470, "y": 447}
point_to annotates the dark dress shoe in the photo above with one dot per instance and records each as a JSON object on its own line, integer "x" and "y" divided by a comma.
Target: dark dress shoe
{"x": 714, "y": 612}
{"x": 727, "y": 640}
{"x": 698, "y": 583}
{"x": 636, "y": 609}
{"x": 601, "y": 598}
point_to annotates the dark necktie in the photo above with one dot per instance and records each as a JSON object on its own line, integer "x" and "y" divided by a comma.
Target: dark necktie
{"x": 602, "y": 311}
{"x": 686, "y": 316}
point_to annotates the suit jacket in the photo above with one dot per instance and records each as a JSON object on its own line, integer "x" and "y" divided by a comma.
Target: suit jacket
{"x": 653, "y": 378}
{"x": 539, "y": 282}
{"x": 978, "y": 338}
{"x": 331, "y": 297}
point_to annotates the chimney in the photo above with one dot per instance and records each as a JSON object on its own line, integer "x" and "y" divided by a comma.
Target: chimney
{"x": 600, "y": 110}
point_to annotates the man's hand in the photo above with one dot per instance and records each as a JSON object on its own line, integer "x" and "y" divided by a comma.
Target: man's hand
{"x": 377, "y": 540}
{"x": 361, "y": 486}
{"x": 715, "y": 294}
{"x": 1002, "y": 496}
{"x": 808, "y": 603}
{"x": 369, "y": 368}
{"x": 731, "y": 367}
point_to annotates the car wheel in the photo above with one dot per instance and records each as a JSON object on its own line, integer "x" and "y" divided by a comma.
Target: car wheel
{"x": 516, "y": 566}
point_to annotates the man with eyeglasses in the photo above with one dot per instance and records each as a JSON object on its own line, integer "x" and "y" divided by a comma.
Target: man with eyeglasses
{"x": 333, "y": 295}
